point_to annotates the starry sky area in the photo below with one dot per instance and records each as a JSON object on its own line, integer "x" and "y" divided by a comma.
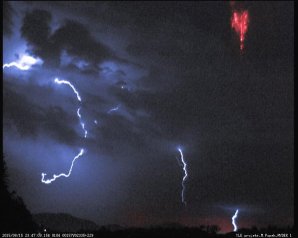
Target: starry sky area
{"x": 176, "y": 74}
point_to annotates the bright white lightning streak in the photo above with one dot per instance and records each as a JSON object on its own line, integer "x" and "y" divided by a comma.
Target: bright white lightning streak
{"x": 114, "y": 109}
{"x": 70, "y": 85}
{"x": 24, "y": 63}
{"x": 48, "y": 181}
{"x": 15, "y": 64}
{"x": 82, "y": 123}
{"x": 185, "y": 175}
{"x": 233, "y": 220}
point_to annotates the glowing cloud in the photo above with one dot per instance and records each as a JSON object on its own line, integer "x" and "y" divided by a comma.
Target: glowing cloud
{"x": 24, "y": 63}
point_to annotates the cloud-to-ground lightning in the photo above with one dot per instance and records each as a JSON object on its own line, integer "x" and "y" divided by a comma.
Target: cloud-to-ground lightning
{"x": 48, "y": 181}
{"x": 185, "y": 174}
{"x": 239, "y": 22}
{"x": 25, "y": 63}
{"x": 233, "y": 221}
{"x": 114, "y": 109}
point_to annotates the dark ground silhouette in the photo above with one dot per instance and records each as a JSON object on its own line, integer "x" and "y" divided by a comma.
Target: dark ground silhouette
{"x": 15, "y": 217}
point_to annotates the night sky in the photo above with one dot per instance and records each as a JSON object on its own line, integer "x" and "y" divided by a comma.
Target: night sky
{"x": 178, "y": 78}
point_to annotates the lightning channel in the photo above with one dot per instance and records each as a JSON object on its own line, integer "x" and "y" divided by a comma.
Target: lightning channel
{"x": 25, "y": 63}
{"x": 48, "y": 181}
{"x": 114, "y": 109}
{"x": 185, "y": 175}
{"x": 233, "y": 221}
{"x": 58, "y": 81}
{"x": 82, "y": 123}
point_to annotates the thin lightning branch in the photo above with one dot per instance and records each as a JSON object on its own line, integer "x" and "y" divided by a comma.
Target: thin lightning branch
{"x": 185, "y": 175}
{"x": 83, "y": 126}
{"x": 70, "y": 85}
{"x": 233, "y": 220}
{"x": 179, "y": 161}
{"x": 78, "y": 113}
{"x": 82, "y": 123}
{"x": 48, "y": 181}
{"x": 114, "y": 109}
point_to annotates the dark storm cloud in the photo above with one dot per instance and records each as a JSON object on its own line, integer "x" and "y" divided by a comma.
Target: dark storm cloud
{"x": 225, "y": 106}
{"x": 76, "y": 39}
{"x": 60, "y": 125}
{"x": 19, "y": 112}
{"x": 120, "y": 136}
{"x": 36, "y": 29}
{"x": 267, "y": 21}
{"x": 71, "y": 36}
{"x": 212, "y": 84}
{"x": 7, "y": 18}
{"x": 31, "y": 119}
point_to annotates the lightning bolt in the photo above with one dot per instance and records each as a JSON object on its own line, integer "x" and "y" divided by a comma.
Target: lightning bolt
{"x": 48, "y": 181}
{"x": 24, "y": 63}
{"x": 233, "y": 220}
{"x": 185, "y": 174}
{"x": 18, "y": 65}
{"x": 70, "y": 85}
{"x": 114, "y": 109}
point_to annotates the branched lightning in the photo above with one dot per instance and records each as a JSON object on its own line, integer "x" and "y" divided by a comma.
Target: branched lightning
{"x": 24, "y": 63}
{"x": 48, "y": 181}
{"x": 233, "y": 220}
{"x": 185, "y": 174}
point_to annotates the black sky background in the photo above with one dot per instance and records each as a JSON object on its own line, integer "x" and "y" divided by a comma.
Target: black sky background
{"x": 177, "y": 73}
